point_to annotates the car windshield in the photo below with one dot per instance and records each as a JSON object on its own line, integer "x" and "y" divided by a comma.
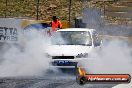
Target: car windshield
{"x": 72, "y": 38}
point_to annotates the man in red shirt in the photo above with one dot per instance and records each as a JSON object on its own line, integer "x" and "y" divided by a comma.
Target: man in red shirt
{"x": 55, "y": 24}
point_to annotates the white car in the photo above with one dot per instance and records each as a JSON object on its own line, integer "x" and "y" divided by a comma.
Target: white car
{"x": 71, "y": 45}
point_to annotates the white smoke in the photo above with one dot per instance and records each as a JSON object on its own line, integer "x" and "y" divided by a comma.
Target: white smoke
{"x": 113, "y": 58}
{"x": 27, "y": 60}
{"x": 116, "y": 56}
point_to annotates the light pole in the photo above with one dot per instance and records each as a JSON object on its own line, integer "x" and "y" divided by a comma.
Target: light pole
{"x": 37, "y": 6}
{"x": 5, "y": 8}
{"x": 69, "y": 12}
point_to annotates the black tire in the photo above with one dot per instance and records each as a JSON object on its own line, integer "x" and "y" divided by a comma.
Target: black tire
{"x": 82, "y": 81}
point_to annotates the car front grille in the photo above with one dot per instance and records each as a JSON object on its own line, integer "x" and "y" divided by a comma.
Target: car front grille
{"x": 62, "y": 57}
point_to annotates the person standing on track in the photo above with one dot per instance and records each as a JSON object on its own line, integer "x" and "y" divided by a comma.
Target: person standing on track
{"x": 55, "y": 24}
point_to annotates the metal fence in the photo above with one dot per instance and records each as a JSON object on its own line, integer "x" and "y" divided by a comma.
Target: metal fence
{"x": 39, "y": 9}
{"x": 45, "y": 9}
{"x": 36, "y": 9}
{"x": 17, "y": 8}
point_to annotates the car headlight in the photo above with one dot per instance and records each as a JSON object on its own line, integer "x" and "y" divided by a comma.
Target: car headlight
{"x": 82, "y": 55}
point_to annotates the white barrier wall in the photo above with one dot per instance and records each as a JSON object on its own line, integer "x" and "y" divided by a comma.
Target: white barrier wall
{"x": 10, "y": 29}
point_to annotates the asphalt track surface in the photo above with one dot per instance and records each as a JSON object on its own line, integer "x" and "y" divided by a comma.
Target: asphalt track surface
{"x": 51, "y": 82}
{"x": 48, "y": 81}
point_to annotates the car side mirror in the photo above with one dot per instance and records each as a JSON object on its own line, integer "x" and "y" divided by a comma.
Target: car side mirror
{"x": 97, "y": 43}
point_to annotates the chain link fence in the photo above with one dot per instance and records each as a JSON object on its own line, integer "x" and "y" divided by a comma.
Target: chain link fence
{"x": 17, "y": 8}
{"x": 40, "y": 9}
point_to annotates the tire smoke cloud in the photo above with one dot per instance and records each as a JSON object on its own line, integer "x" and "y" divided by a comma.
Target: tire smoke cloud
{"x": 114, "y": 57}
{"x": 26, "y": 59}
